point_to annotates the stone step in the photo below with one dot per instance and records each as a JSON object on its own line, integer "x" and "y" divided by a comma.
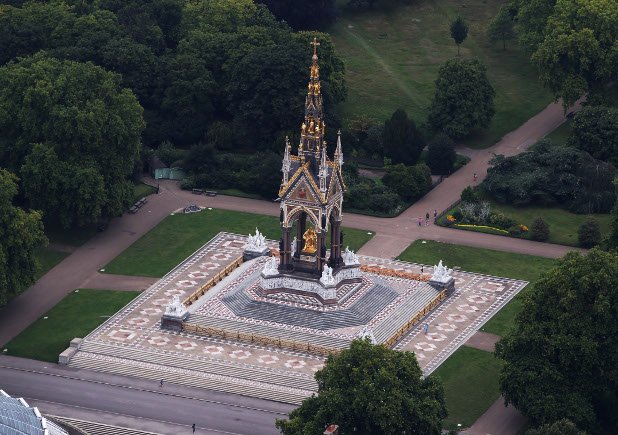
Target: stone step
{"x": 191, "y": 378}
{"x": 90, "y": 427}
{"x": 244, "y": 371}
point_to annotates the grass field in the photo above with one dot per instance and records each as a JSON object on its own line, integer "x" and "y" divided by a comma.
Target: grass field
{"x": 392, "y": 60}
{"x": 47, "y": 259}
{"x": 141, "y": 190}
{"x": 178, "y": 236}
{"x": 75, "y": 316}
{"x": 470, "y": 378}
{"x": 560, "y": 135}
{"x": 563, "y": 225}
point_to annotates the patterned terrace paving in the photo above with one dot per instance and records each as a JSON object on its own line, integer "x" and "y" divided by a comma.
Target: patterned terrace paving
{"x": 476, "y": 299}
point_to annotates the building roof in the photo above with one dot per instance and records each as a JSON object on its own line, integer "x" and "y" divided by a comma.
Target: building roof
{"x": 18, "y": 418}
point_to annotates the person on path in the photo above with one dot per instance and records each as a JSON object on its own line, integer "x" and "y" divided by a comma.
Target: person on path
{"x": 427, "y": 219}
{"x": 426, "y": 327}
{"x": 422, "y": 269}
{"x": 161, "y": 384}
{"x": 193, "y": 427}
{"x": 435, "y": 213}
{"x": 475, "y": 176}
{"x": 420, "y": 221}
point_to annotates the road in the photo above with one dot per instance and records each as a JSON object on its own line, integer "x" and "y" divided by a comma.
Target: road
{"x": 171, "y": 409}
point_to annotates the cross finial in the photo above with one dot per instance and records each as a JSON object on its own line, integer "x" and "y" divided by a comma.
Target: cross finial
{"x": 315, "y": 44}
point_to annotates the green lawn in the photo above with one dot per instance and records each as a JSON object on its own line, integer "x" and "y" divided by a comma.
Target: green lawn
{"x": 75, "y": 316}
{"x": 141, "y": 190}
{"x": 560, "y": 135}
{"x": 392, "y": 60}
{"x": 470, "y": 378}
{"x": 73, "y": 237}
{"x": 47, "y": 258}
{"x": 178, "y": 236}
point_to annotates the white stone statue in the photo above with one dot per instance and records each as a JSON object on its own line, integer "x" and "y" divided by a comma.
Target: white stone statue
{"x": 256, "y": 242}
{"x": 294, "y": 243}
{"x": 366, "y": 332}
{"x": 327, "y": 276}
{"x": 441, "y": 273}
{"x": 175, "y": 308}
{"x": 349, "y": 257}
{"x": 270, "y": 267}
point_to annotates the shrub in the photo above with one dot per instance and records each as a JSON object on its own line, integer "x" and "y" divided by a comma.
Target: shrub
{"x": 409, "y": 182}
{"x": 589, "y": 234}
{"x": 500, "y": 220}
{"x": 441, "y": 155}
{"x": 539, "y": 230}
{"x": 469, "y": 195}
{"x": 457, "y": 214}
{"x": 515, "y": 230}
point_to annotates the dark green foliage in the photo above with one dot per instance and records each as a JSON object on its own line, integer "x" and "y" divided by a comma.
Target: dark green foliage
{"x": 88, "y": 132}
{"x": 371, "y": 390}
{"x": 539, "y": 230}
{"x": 552, "y": 175}
{"x": 560, "y": 427}
{"x": 501, "y": 221}
{"x": 403, "y": 143}
{"x": 561, "y": 359}
{"x": 441, "y": 155}
{"x": 409, "y": 182}
{"x": 366, "y": 194}
{"x": 375, "y": 4}
{"x": 612, "y": 240}
{"x": 20, "y": 234}
{"x": 464, "y": 98}
{"x": 595, "y": 130}
{"x": 305, "y": 15}
{"x": 469, "y": 195}
{"x": 459, "y": 31}
{"x": 501, "y": 27}
{"x": 530, "y": 20}
{"x": 589, "y": 234}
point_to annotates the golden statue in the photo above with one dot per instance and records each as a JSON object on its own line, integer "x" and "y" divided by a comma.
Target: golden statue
{"x": 311, "y": 127}
{"x": 311, "y": 241}
{"x": 316, "y": 88}
{"x": 303, "y": 127}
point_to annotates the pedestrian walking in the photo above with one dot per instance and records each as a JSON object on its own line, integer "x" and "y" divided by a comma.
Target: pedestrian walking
{"x": 420, "y": 221}
{"x": 193, "y": 427}
{"x": 426, "y": 327}
{"x": 427, "y": 219}
{"x": 422, "y": 269}
{"x": 161, "y": 384}
{"x": 435, "y": 213}
{"x": 475, "y": 176}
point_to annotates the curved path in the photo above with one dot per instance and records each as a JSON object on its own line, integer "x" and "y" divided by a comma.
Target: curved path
{"x": 392, "y": 235}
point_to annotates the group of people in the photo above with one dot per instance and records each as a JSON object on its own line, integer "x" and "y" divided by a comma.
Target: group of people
{"x": 420, "y": 218}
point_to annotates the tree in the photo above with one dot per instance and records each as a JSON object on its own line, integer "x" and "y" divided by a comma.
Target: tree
{"x": 560, "y": 427}
{"x": 539, "y": 230}
{"x": 560, "y": 358}
{"x": 531, "y": 21}
{"x": 409, "y": 182}
{"x": 20, "y": 234}
{"x": 595, "y": 130}
{"x": 403, "y": 143}
{"x": 306, "y": 15}
{"x": 459, "y": 31}
{"x": 501, "y": 27}
{"x": 589, "y": 233}
{"x": 612, "y": 240}
{"x": 441, "y": 155}
{"x": 371, "y": 389}
{"x": 463, "y": 100}
{"x": 578, "y": 53}
{"x": 86, "y": 125}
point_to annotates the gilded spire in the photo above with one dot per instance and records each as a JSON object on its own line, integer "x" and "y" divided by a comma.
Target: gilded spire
{"x": 312, "y": 128}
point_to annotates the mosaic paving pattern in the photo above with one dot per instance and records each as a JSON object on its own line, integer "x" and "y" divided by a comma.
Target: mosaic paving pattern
{"x": 136, "y": 327}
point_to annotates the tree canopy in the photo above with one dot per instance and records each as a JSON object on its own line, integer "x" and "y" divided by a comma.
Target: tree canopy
{"x": 464, "y": 98}
{"x": 459, "y": 31}
{"x": 441, "y": 155}
{"x": 305, "y": 15}
{"x": 501, "y": 27}
{"x": 20, "y": 234}
{"x": 595, "y": 130}
{"x": 371, "y": 389}
{"x": 403, "y": 142}
{"x": 561, "y": 359}
{"x": 86, "y": 128}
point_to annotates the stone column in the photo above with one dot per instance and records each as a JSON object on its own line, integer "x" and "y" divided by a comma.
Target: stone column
{"x": 302, "y": 223}
{"x": 321, "y": 251}
{"x": 335, "y": 245}
{"x": 285, "y": 253}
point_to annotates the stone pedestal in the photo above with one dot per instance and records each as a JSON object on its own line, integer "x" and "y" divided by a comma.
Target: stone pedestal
{"x": 250, "y": 254}
{"x": 175, "y": 314}
{"x": 448, "y": 284}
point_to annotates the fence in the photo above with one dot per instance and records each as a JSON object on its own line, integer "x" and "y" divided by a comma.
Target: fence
{"x": 212, "y": 282}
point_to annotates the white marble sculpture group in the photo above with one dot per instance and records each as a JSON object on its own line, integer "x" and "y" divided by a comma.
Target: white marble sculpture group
{"x": 175, "y": 308}
{"x": 349, "y": 257}
{"x": 327, "y": 276}
{"x": 256, "y": 242}
{"x": 270, "y": 267}
{"x": 441, "y": 273}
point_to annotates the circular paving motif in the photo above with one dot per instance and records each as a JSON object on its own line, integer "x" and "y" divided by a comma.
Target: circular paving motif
{"x": 446, "y": 327}
{"x": 295, "y": 364}
{"x": 197, "y": 274}
{"x": 151, "y": 311}
{"x": 267, "y": 359}
{"x": 158, "y": 340}
{"x": 122, "y": 334}
{"x": 220, "y": 256}
{"x": 467, "y": 308}
{"x": 240, "y": 354}
{"x": 457, "y": 318}
{"x": 213, "y": 350}
{"x": 435, "y": 336}
{"x": 426, "y": 347}
{"x": 234, "y": 244}
{"x": 186, "y": 283}
{"x": 477, "y": 299}
{"x": 185, "y": 345}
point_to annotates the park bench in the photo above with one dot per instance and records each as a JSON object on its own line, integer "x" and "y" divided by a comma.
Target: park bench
{"x": 211, "y": 193}
{"x": 139, "y": 204}
{"x": 197, "y": 191}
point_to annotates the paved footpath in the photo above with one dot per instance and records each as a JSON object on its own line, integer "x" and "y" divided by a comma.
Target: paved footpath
{"x": 392, "y": 235}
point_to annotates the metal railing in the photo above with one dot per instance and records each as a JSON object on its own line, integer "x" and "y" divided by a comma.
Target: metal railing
{"x": 201, "y": 291}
